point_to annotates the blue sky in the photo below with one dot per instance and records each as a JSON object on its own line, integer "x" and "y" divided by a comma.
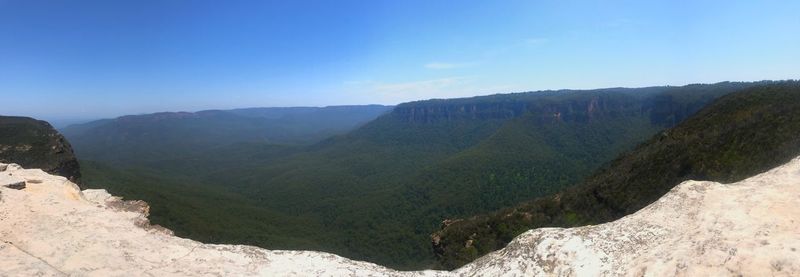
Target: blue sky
{"x": 69, "y": 60}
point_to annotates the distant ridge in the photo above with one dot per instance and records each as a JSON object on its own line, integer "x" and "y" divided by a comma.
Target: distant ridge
{"x": 168, "y": 135}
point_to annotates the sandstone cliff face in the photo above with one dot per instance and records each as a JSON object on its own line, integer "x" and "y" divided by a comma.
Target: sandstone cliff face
{"x": 35, "y": 144}
{"x": 48, "y": 227}
{"x": 663, "y": 106}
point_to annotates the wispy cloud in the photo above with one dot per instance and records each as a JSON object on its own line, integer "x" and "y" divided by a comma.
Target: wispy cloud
{"x": 488, "y": 55}
{"x": 357, "y": 82}
{"x": 442, "y": 65}
{"x": 535, "y": 41}
{"x": 529, "y": 43}
{"x": 415, "y": 90}
{"x": 620, "y": 22}
{"x": 449, "y": 87}
{"x": 434, "y": 86}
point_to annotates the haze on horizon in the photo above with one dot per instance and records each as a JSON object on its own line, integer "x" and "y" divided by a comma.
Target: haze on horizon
{"x": 71, "y": 60}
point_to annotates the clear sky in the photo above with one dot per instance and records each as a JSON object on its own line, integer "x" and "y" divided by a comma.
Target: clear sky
{"x": 63, "y": 60}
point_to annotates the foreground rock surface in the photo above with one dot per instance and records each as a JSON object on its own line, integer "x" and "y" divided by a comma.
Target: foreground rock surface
{"x": 751, "y": 228}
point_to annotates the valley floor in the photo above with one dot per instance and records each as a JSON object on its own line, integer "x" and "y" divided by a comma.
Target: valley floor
{"x": 51, "y": 228}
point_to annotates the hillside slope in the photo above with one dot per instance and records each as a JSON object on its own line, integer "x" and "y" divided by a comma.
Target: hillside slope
{"x": 737, "y": 136}
{"x": 697, "y": 229}
{"x": 34, "y": 143}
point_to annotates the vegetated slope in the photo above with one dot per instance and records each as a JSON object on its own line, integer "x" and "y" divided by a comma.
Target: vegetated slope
{"x": 378, "y": 191}
{"x": 34, "y": 143}
{"x": 171, "y": 135}
{"x": 555, "y": 139}
{"x": 737, "y": 136}
{"x": 381, "y": 189}
{"x": 222, "y": 216}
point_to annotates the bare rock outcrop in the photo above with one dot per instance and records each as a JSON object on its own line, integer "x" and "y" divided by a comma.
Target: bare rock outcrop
{"x": 52, "y": 228}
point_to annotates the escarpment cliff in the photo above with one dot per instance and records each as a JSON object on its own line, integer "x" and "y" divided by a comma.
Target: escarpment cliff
{"x": 664, "y": 106}
{"x": 35, "y": 144}
{"x": 49, "y": 227}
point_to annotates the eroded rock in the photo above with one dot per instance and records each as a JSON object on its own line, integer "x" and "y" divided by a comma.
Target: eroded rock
{"x": 10, "y": 181}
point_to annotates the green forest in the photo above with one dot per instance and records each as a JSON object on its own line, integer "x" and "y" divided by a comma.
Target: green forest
{"x": 375, "y": 190}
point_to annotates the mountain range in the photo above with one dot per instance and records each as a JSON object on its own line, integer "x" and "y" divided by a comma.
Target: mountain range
{"x": 160, "y": 136}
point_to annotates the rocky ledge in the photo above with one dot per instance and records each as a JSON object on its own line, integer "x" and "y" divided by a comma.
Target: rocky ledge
{"x": 49, "y": 227}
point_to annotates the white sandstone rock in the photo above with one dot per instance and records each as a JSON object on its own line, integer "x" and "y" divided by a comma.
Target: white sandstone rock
{"x": 750, "y": 228}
